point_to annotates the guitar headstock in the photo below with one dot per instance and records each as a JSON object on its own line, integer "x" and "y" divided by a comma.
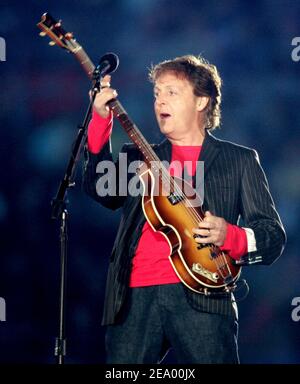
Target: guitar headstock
{"x": 57, "y": 34}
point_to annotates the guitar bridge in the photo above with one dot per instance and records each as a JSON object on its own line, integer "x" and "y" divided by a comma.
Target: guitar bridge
{"x": 213, "y": 276}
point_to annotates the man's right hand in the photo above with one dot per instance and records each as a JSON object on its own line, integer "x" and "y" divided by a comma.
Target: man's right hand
{"x": 106, "y": 94}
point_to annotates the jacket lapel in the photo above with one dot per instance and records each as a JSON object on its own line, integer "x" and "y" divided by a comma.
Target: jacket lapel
{"x": 210, "y": 150}
{"x": 164, "y": 150}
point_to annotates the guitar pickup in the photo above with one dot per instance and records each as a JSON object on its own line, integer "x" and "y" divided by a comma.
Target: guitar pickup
{"x": 200, "y": 246}
{"x": 175, "y": 199}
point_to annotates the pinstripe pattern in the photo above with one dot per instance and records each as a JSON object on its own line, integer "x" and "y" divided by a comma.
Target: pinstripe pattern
{"x": 235, "y": 187}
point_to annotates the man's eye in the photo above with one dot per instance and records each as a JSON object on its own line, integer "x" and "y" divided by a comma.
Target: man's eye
{"x": 171, "y": 93}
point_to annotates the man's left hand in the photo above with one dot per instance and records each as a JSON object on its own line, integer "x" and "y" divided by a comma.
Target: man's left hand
{"x": 212, "y": 230}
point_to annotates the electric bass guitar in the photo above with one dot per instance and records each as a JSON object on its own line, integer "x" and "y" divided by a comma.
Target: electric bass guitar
{"x": 176, "y": 209}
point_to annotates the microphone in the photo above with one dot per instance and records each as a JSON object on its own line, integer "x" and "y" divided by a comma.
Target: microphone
{"x": 107, "y": 64}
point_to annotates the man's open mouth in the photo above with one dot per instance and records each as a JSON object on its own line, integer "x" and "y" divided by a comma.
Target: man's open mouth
{"x": 164, "y": 115}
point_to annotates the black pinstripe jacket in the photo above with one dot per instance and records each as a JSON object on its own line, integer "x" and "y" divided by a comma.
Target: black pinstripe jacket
{"x": 235, "y": 187}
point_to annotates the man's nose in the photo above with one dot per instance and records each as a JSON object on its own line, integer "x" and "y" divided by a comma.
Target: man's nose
{"x": 160, "y": 100}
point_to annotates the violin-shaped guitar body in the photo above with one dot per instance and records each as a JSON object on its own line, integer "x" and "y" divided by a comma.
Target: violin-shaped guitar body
{"x": 201, "y": 268}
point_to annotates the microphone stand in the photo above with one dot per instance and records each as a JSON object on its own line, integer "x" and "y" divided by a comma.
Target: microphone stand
{"x": 59, "y": 211}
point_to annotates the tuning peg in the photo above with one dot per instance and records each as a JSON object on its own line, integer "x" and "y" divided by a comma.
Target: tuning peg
{"x": 58, "y": 24}
{"x": 51, "y": 43}
{"x": 69, "y": 35}
{"x": 42, "y": 34}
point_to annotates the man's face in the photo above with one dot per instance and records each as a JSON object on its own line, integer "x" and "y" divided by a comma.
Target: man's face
{"x": 176, "y": 106}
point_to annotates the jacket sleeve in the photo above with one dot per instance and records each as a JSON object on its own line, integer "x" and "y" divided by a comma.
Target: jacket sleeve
{"x": 102, "y": 179}
{"x": 259, "y": 214}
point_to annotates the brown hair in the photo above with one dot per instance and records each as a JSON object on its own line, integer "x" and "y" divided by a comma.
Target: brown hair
{"x": 204, "y": 78}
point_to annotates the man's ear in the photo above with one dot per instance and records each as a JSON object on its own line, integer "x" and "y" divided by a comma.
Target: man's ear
{"x": 202, "y": 103}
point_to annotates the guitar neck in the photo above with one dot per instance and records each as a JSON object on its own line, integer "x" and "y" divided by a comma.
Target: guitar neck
{"x": 132, "y": 131}
{"x": 84, "y": 61}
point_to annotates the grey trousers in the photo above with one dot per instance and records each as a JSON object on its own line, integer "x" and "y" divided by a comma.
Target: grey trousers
{"x": 157, "y": 318}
